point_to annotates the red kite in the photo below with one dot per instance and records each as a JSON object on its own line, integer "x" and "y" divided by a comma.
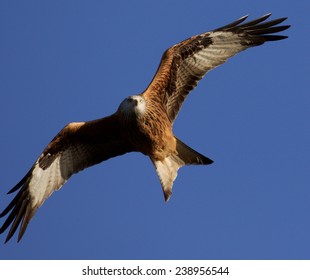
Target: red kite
{"x": 142, "y": 123}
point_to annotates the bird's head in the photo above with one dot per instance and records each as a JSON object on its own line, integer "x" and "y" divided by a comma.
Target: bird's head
{"x": 133, "y": 105}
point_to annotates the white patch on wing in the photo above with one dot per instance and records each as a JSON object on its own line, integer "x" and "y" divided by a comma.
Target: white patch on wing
{"x": 44, "y": 182}
{"x": 224, "y": 45}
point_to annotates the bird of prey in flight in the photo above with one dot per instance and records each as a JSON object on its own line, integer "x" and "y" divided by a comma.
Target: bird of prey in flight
{"x": 142, "y": 123}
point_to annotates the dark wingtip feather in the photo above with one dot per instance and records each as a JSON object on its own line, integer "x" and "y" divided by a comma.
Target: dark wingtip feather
{"x": 233, "y": 24}
{"x": 21, "y": 182}
{"x": 270, "y": 30}
{"x": 30, "y": 211}
{"x": 14, "y": 201}
{"x": 255, "y": 22}
{"x": 275, "y": 37}
{"x": 258, "y": 29}
{"x": 20, "y": 210}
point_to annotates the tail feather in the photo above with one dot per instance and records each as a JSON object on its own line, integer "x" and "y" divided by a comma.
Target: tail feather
{"x": 190, "y": 156}
{"x": 167, "y": 169}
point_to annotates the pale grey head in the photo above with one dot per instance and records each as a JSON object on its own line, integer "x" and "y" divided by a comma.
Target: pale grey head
{"x": 133, "y": 105}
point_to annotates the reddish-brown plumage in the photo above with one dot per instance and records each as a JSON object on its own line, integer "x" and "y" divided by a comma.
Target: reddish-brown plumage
{"x": 142, "y": 123}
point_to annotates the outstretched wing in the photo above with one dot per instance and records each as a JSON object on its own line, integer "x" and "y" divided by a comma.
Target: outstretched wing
{"x": 184, "y": 64}
{"x": 77, "y": 146}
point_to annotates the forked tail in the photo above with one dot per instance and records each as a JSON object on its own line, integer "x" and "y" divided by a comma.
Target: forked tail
{"x": 167, "y": 169}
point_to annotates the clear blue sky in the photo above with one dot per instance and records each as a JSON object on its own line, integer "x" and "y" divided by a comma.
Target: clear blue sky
{"x": 64, "y": 61}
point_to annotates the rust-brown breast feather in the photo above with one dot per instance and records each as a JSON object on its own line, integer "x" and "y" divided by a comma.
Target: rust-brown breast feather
{"x": 184, "y": 64}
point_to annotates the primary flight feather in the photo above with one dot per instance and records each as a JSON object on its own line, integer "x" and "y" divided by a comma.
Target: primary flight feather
{"x": 142, "y": 123}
